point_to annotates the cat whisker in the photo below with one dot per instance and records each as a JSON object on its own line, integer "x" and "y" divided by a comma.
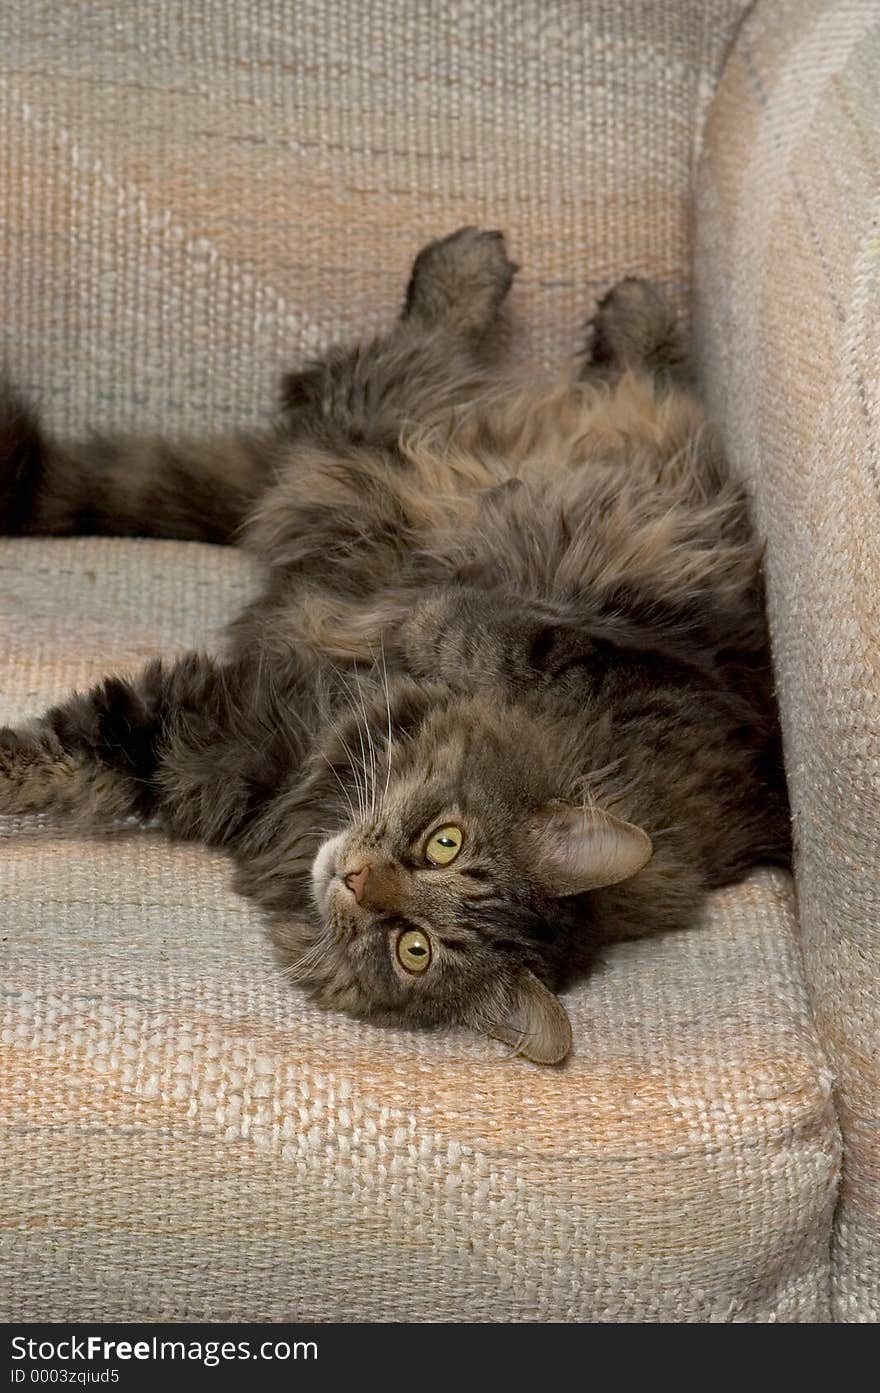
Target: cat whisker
{"x": 358, "y": 772}
{"x": 361, "y": 791}
{"x": 345, "y": 793}
{"x": 360, "y": 726}
{"x": 371, "y": 746}
{"x": 385, "y": 693}
{"x": 308, "y": 964}
{"x": 388, "y": 709}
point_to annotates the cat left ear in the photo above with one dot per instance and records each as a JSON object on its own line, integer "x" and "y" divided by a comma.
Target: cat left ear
{"x": 534, "y": 1022}
{"x": 578, "y": 849}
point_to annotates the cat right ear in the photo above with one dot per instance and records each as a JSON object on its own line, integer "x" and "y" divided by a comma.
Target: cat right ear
{"x": 534, "y": 1021}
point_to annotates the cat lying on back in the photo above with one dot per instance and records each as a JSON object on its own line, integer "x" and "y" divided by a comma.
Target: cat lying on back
{"x": 506, "y": 693}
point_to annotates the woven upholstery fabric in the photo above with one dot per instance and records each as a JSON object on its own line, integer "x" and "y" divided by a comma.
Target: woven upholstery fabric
{"x": 184, "y": 1137}
{"x": 789, "y": 327}
{"x": 192, "y": 196}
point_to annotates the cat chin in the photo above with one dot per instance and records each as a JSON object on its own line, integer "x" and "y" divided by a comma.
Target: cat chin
{"x": 324, "y": 869}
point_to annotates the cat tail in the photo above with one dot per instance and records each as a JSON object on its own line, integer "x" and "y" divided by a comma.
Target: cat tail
{"x": 127, "y": 485}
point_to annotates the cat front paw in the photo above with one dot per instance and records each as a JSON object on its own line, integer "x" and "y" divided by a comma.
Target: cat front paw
{"x": 31, "y": 767}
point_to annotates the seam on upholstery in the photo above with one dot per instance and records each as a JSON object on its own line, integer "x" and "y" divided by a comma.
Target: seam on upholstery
{"x": 702, "y": 121}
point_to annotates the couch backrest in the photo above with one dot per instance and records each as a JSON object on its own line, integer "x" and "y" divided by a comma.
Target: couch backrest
{"x": 788, "y": 281}
{"x": 201, "y": 194}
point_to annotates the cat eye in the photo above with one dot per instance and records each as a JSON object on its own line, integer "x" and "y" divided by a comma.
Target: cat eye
{"x": 414, "y": 951}
{"x": 444, "y": 845}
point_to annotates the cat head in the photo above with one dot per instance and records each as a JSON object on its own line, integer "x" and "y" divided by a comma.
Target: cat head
{"x": 447, "y": 886}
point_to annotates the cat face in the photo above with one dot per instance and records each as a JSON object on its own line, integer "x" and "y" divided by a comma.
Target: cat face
{"x": 451, "y": 891}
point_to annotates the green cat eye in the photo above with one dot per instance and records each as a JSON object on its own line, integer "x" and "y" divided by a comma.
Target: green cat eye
{"x": 444, "y": 845}
{"x": 414, "y": 950}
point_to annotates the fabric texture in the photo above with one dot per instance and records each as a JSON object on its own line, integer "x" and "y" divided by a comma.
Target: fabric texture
{"x": 788, "y": 282}
{"x": 191, "y": 197}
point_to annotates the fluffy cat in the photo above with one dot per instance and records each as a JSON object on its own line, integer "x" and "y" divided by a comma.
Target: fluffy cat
{"x": 506, "y": 694}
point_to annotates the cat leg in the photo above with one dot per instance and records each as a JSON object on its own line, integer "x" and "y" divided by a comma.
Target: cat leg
{"x": 204, "y": 489}
{"x": 438, "y": 355}
{"x": 459, "y": 283}
{"x": 634, "y": 329}
{"x": 663, "y": 439}
{"x": 195, "y": 743}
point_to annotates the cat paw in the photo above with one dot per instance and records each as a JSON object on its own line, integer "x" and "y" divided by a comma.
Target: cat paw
{"x": 12, "y": 752}
{"x": 29, "y": 760}
{"x": 460, "y": 281}
{"x": 634, "y": 327}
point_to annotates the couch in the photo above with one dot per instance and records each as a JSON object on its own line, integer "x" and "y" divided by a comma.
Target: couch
{"x": 194, "y": 197}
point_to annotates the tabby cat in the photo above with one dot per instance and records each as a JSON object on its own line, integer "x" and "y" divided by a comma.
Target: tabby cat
{"x": 505, "y": 695}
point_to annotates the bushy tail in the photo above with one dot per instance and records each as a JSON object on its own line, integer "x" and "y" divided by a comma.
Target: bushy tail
{"x": 128, "y": 485}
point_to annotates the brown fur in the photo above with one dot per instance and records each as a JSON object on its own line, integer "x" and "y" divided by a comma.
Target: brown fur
{"x": 531, "y": 612}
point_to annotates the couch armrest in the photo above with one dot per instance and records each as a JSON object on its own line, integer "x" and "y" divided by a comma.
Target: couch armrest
{"x": 788, "y": 328}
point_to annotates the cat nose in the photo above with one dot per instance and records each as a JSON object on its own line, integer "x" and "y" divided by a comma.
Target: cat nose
{"x": 356, "y": 880}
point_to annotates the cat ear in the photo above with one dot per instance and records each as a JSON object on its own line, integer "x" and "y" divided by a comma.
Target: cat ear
{"x": 534, "y": 1022}
{"x": 578, "y": 849}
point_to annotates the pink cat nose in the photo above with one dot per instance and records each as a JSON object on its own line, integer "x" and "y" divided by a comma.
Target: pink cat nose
{"x": 356, "y": 880}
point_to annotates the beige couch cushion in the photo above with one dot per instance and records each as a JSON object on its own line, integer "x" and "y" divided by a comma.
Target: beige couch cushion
{"x": 789, "y": 292}
{"x": 183, "y": 1136}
